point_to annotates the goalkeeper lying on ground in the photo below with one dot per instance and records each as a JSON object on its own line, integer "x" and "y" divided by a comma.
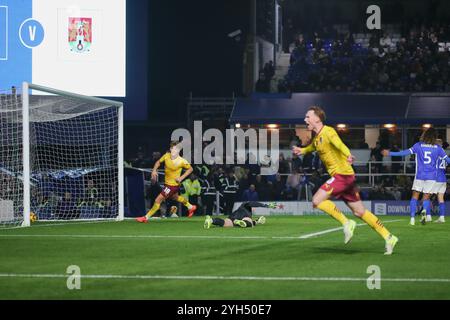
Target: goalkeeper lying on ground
{"x": 241, "y": 217}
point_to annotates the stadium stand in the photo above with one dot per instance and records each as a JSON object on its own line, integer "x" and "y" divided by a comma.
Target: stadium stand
{"x": 391, "y": 60}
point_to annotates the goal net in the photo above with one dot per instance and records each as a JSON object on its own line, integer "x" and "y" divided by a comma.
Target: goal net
{"x": 60, "y": 156}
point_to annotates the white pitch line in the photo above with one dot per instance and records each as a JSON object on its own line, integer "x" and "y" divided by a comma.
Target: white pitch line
{"x": 96, "y": 236}
{"x": 149, "y": 236}
{"x": 56, "y": 224}
{"x": 11, "y": 228}
{"x": 71, "y": 223}
{"x": 195, "y": 277}
{"x": 311, "y": 235}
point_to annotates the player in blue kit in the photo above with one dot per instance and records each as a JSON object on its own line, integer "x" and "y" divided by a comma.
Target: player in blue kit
{"x": 427, "y": 153}
{"x": 441, "y": 183}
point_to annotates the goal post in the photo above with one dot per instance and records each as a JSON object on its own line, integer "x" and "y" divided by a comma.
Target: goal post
{"x": 26, "y": 154}
{"x": 63, "y": 154}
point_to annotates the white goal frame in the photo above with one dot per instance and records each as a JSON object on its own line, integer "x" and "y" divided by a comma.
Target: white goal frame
{"x": 26, "y": 87}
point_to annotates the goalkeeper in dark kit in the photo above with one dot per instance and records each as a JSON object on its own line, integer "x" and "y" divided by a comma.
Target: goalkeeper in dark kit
{"x": 241, "y": 217}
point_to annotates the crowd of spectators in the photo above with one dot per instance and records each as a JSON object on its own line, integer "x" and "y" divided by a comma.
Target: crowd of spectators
{"x": 416, "y": 60}
{"x": 55, "y": 199}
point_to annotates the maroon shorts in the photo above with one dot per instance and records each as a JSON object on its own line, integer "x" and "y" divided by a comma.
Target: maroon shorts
{"x": 342, "y": 187}
{"x": 169, "y": 191}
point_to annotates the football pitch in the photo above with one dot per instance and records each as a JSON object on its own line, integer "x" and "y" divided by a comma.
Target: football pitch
{"x": 286, "y": 258}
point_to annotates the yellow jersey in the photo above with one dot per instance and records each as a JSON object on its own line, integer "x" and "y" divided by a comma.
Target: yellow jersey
{"x": 332, "y": 151}
{"x": 173, "y": 168}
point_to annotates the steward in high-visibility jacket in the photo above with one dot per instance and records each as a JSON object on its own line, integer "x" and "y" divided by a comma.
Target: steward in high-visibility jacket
{"x": 192, "y": 191}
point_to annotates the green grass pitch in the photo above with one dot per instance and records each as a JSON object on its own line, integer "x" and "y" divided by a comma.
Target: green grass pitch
{"x": 178, "y": 259}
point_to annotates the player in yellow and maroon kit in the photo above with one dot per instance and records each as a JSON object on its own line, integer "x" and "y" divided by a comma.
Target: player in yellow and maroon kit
{"x": 174, "y": 164}
{"x": 337, "y": 159}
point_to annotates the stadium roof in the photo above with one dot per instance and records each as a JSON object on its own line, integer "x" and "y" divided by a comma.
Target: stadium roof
{"x": 348, "y": 108}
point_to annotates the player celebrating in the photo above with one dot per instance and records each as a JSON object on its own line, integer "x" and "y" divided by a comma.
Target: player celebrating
{"x": 241, "y": 217}
{"x": 174, "y": 164}
{"x": 427, "y": 155}
{"x": 337, "y": 159}
{"x": 441, "y": 184}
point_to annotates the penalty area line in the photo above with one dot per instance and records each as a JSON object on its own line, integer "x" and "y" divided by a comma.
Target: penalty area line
{"x": 316, "y": 234}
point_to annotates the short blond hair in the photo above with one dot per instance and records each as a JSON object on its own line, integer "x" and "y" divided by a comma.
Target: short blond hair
{"x": 173, "y": 143}
{"x": 318, "y": 111}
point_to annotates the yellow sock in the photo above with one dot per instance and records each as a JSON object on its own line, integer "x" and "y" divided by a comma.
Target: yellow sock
{"x": 153, "y": 210}
{"x": 376, "y": 224}
{"x": 184, "y": 202}
{"x": 330, "y": 208}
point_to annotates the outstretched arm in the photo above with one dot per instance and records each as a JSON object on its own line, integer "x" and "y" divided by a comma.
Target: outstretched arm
{"x": 308, "y": 149}
{"x": 254, "y": 204}
{"x": 402, "y": 153}
{"x": 299, "y": 151}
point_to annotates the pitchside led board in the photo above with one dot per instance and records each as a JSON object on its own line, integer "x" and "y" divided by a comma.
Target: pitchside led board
{"x": 71, "y": 45}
